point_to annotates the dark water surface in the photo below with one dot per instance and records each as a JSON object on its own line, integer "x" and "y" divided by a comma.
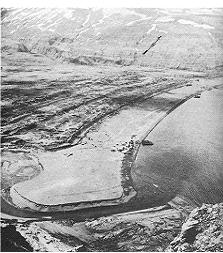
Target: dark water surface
{"x": 187, "y": 156}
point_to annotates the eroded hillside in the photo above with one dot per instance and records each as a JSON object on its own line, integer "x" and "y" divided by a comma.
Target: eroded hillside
{"x": 189, "y": 39}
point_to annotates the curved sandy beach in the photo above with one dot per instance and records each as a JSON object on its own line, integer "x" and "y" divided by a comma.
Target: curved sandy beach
{"x": 98, "y": 172}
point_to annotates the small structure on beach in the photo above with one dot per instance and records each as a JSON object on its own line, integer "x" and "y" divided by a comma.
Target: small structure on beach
{"x": 147, "y": 142}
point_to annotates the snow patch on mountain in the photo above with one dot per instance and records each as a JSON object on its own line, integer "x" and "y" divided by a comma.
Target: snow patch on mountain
{"x": 87, "y": 19}
{"x": 151, "y": 29}
{"x": 189, "y": 22}
{"x": 163, "y": 31}
{"x": 212, "y": 37}
{"x": 68, "y": 14}
{"x": 165, "y": 19}
{"x": 123, "y": 12}
{"x": 138, "y": 20}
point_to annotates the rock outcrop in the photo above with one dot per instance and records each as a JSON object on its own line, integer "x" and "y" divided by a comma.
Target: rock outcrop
{"x": 146, "y": 230}
{"x": 30, "y": 237}
{"x": 202, "y": 231}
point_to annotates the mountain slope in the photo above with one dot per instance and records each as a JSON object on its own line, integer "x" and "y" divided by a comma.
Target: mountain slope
{"x": 189, "y": 39}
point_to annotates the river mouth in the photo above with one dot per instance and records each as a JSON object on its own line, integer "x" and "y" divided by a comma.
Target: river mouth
{"x": 187, "y": 156}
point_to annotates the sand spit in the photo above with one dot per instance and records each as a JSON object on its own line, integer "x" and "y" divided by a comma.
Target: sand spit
{"x": 99, "y": 170}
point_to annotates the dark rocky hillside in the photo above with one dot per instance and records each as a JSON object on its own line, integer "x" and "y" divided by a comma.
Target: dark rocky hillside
{"x": 151, "y": 230}
{"x": 203, "y": 230}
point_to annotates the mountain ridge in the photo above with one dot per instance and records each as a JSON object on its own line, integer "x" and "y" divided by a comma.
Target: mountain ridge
{"x": 190, "y": 39}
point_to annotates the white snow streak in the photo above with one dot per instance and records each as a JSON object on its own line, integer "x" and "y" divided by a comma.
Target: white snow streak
{"x": 87, "y": 19}
{"x": 68, "y": 14}
{"x": 211, "y": 36}
{"x": 151, "y": 29}
{"x": 138, "y": 20}
{"x": 163, "y": 31}
{"x": 165, "y": 19}
{"x": 122, "y": 11}
{"x": 189, "y": 22}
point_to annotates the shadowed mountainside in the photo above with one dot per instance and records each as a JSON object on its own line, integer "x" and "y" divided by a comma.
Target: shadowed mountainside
{"x": 202, "y": 231}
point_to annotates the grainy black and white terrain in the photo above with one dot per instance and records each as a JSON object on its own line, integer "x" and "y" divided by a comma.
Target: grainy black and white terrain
{"x": 85, "y": 165}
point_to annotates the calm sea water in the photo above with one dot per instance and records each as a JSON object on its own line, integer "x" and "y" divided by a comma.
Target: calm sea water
{"x": 187, "y": 156}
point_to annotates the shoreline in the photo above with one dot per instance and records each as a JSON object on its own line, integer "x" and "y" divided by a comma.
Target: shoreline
{"x": 178, "y": 163}
{"x": 117, "y": 201}
{"x": 153, "y": 125}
